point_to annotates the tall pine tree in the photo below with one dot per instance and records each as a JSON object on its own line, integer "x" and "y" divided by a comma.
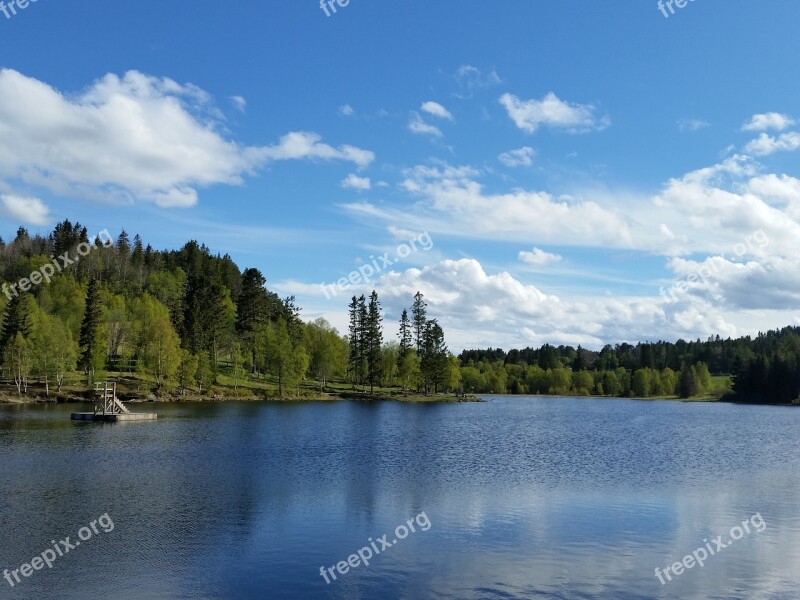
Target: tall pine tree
{"x": 419, "y": 318}
{"x": 90, "y": 342}
{"x": 373, "y": 340}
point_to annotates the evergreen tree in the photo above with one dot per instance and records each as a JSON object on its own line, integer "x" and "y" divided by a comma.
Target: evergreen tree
{"x": 405, "y": 336}
{"x": 17, "y": 319}
{"x": 434, "y": 356}
{"x": 373, "y": 340}
{"x": 252, "y": 313}
{"x": 90, "y": 342}
{"x": 687, "y": 383}
{"x": 419, "y": 318}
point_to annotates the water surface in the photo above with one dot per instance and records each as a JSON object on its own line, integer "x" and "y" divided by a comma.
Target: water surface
{"x": 526, "y": 498}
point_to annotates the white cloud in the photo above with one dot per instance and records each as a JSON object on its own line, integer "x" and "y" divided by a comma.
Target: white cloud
{"x": 521, "y": 157}
{"x": 437, "y": 110}
{"x": 766, "y": 121}
{"x": 765, "y": 144}
{"x": 22, "y": 209}
{"x": 418, "y": 126}
{"x": 132, "y": 138}
{"x": 692, "y": 124}
{"x": 354, "y": 182}
{"x": 239, "y": 103}
{"x": 539, "y": 257}
{"x": 471, "y": 78}
{"x": 306, "y": 145}
{"x": 550, "y": 111}
{"x": 346, "y": 110}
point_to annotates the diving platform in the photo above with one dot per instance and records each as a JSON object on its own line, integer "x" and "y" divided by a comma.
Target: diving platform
{"x": 109, "y": 409}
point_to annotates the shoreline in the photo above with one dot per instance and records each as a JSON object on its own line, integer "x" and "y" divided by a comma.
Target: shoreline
{"x": 336, "y": 397}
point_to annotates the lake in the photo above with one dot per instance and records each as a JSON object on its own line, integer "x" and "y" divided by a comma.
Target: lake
{"x": 517, "y": 497}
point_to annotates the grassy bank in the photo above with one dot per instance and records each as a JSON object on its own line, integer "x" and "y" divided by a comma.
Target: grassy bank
{"x": 140, "y": 388}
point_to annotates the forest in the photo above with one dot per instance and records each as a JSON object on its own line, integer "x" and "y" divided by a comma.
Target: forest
{"x": 188, "y": 321}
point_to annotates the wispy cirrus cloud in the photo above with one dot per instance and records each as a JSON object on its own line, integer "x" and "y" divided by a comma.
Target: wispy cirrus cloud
{"x": 418, "y": 126}
{"x": 521, "y": 157}
{"x": 692, "y": 124}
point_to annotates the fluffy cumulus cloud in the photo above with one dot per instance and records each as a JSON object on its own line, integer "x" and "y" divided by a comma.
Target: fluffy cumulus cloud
{"x": 300, "y": 145}
{"x": 551, "y": 111}
{"x": 354, "y": 182}
{"x": 479, "y": 309}
{"x": 765, "y": 121}
{"x": 22, "y": 209}
{"x": 437, "y": 110}
{"x": 724, "y": 231}
{"x": 765, "y": 144}
{"x": 521, "y": 157}
{"x": 132, "y": 138}
{"x": 539, "y": 258}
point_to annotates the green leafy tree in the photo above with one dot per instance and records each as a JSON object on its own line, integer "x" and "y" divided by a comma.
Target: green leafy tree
{"x": 452, "y": 375}
{"x": 158, "y": 344}
{"x": 327, "y": 351}
{"x": 187, "y": 371}
{"x": 18, "y": 360}
{"x": 204, "y": 376}
{"x": 289, "y": 363}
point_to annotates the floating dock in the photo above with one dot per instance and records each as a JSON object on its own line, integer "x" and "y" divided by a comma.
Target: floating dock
{"x": 109, "y": 409}
{"x": 114, "y": 418}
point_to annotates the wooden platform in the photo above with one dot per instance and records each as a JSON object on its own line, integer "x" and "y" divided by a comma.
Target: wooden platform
{"x": 109, "y": 409}
{"x": 113, "y": 418}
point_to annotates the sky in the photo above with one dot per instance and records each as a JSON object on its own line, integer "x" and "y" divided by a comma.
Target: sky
{"x": 545, "y": 171}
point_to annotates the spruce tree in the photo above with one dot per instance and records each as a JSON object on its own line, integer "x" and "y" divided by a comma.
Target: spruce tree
{"x": 89, "y": 341}
{"x": 419, "y": 318}
{"x": 373, "y": 340}
{"x": 16, "y": 320}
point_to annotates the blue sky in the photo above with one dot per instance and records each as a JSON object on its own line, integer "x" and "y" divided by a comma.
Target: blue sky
{"x": 569, "y": 160}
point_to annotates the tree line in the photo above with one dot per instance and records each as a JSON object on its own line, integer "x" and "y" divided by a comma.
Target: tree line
{"x": 764, "y": 368}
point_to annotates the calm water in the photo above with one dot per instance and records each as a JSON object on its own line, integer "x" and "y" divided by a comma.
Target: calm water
{"x": 526, "y": 498}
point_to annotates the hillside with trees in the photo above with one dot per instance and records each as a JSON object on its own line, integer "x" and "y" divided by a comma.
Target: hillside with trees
{"x": 189, "y": 323}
